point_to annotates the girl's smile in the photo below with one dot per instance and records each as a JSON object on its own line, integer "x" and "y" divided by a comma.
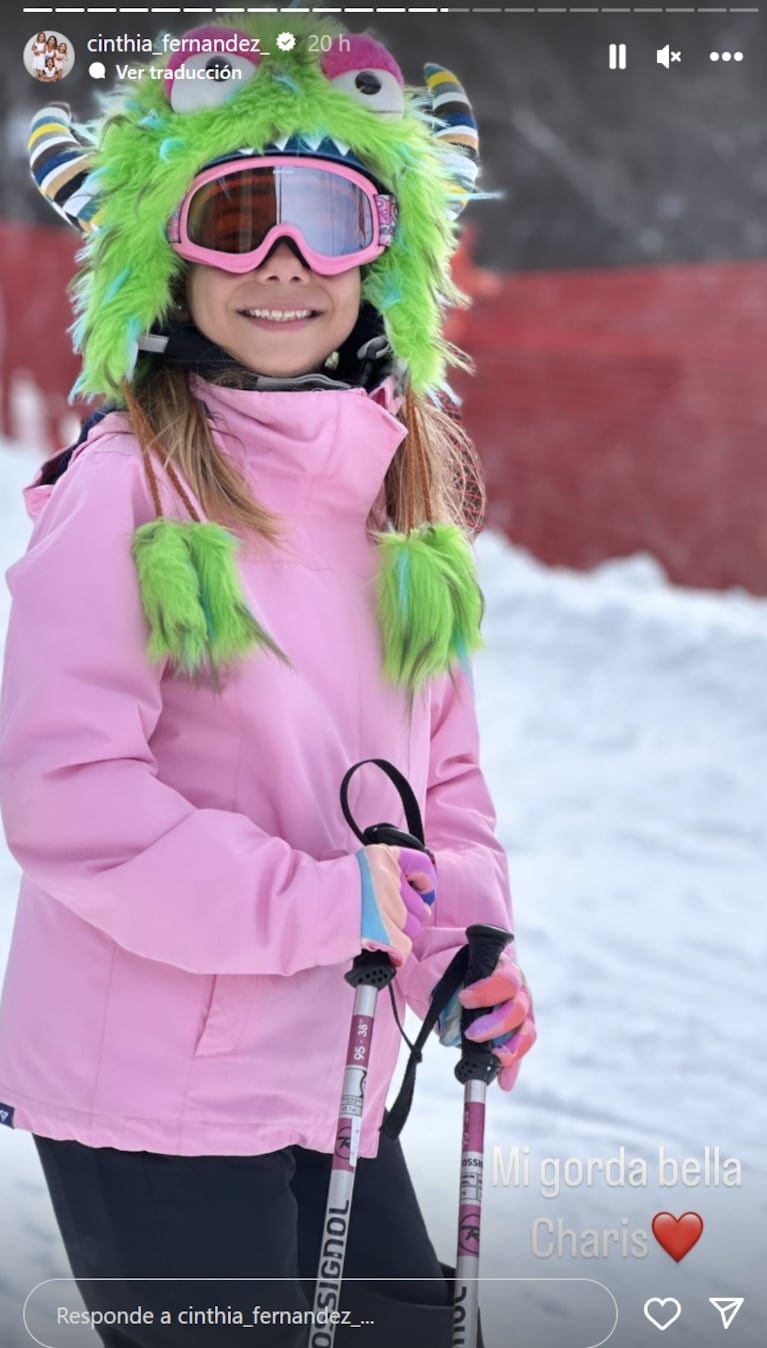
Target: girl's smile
{"x": 281, "y": 319}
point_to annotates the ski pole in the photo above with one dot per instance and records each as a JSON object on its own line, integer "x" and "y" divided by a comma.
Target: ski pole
{"x": 370, "y": 973}
{"x": 477, "y": 1068}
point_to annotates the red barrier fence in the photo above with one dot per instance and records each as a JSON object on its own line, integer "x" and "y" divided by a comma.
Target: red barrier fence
{"x": 615, "y": 410}
{"x": 626, "y": 410}
{"x": 37, "y": 366}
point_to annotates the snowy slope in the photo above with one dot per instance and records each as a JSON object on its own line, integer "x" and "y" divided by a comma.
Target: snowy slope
{"x": 624, "y": 739}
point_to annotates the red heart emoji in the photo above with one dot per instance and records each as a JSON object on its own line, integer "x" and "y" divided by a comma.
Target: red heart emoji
{"x": 677, "y": 1235}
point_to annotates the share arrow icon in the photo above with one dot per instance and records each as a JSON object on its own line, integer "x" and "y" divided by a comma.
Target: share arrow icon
{"x": 727, "y": 1307}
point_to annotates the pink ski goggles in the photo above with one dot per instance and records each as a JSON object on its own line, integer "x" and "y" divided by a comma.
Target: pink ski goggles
{"x": 234, "y": 213}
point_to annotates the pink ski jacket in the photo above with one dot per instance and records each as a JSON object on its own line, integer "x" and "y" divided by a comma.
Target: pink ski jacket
{"x": 190, "y": 899}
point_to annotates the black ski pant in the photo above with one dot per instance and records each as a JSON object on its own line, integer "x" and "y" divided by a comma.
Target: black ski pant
{"x": 132, "y": 1215}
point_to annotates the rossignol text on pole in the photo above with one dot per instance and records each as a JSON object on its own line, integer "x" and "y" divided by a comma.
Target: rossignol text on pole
{"x": 477, "y": 1068}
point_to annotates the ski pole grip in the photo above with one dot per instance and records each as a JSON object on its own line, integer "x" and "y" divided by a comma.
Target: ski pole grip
{"x": 486, "y": 943}
{"x": 371, "y": 969}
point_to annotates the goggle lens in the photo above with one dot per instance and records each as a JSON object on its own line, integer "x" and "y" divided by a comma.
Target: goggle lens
{"x": 234, "y": 213}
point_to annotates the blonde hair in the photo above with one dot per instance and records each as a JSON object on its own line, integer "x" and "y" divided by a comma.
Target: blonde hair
{"x": 435, "y": 475}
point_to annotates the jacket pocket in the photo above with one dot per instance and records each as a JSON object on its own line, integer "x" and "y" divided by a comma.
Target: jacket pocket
{"x": 227, "y": 1012}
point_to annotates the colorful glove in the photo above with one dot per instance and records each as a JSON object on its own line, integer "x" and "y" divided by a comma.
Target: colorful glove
{"x": 399, "y": 885}
{"x": 509, "y": 1028}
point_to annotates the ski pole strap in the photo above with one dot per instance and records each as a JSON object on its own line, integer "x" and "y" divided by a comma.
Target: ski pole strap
{"x": 451, "y": 980}
{"x": 387, "y": 833}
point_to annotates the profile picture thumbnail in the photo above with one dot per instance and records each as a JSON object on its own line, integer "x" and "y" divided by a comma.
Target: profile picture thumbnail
{"x": 49, "y": 56}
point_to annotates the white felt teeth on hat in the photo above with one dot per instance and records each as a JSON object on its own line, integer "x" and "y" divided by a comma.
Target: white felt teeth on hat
{"x": 310, "y": 141}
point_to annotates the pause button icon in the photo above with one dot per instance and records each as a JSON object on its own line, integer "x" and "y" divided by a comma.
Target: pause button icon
{"x": 617, "y": 55}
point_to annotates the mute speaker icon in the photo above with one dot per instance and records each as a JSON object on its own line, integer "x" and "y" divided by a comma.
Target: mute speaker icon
{"x": 664, "y": 56}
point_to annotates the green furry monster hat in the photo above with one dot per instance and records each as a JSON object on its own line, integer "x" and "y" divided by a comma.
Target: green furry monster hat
{"x": 119, "y": 180}
{"x": 334, "y": 94}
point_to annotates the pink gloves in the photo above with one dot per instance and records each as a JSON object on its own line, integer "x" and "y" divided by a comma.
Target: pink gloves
{"x": 399, "y": 885}
{"x": 510, "y": 1027}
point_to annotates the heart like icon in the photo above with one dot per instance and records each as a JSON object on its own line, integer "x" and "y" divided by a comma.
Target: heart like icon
{"x": 669, "y": 1317}
{"x": 677, "y": 1235}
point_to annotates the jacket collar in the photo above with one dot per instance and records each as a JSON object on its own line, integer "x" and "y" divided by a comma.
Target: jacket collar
{"x": 321, "y": 452}
{"x": 289, "y": 435}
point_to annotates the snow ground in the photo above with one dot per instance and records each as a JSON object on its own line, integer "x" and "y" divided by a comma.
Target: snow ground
{"x": 624, "y": 739}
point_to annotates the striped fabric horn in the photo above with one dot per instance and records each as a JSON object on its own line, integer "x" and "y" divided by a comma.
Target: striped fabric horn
{"x": 60, "y": 161}
{"x": 459, "y": 130}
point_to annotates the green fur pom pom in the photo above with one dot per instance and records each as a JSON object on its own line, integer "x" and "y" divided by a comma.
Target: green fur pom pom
{"x": 192, "y": 596}
{"x": 232, "y": 628}
{"x": 429, "y": 603}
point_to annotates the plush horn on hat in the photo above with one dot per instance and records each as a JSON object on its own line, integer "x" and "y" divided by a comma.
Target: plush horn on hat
{"x": 60, "y": 159}
{"x": 459, "y": 130}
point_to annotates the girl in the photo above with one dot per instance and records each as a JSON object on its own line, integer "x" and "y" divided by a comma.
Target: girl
{"x": 60, "y": 60}
{"x": 39, "y": 48}
{"x": 275, "y": 508}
